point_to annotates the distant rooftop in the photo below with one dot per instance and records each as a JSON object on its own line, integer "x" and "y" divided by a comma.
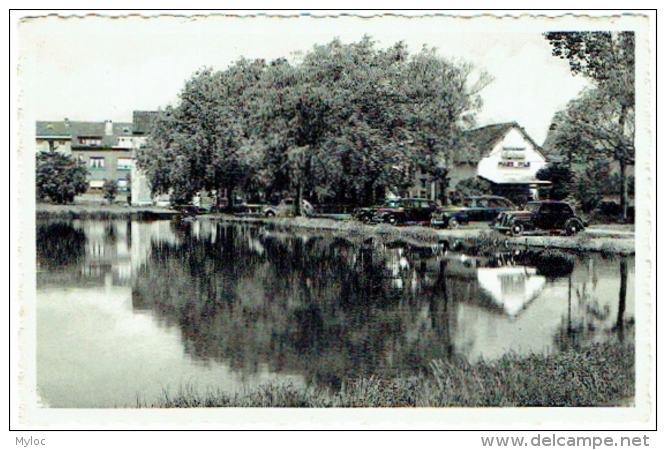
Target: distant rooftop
{"x": 77, "y": 130}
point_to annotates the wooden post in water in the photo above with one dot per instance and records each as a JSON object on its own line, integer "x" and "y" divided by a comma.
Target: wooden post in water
{"x": 622, "y": 302}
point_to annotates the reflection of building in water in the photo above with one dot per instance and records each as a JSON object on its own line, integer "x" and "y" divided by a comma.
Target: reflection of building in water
{"x": 511, "y": 288}
{"x": 584, "y": 302}
{"x": 115, "y": 250}
{"x": 145, "y": 235}
{"x": 107, "y": 251}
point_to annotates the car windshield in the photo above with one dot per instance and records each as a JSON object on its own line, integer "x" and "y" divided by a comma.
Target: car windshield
{"x": 532, "y": 207}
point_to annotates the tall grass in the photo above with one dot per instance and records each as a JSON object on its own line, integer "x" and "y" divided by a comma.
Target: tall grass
{"x": 597, "y": 376}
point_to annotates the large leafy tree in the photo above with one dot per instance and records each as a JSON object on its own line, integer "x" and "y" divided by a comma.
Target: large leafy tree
{"x": 202, "y": 144}
{"x": 600, "y": 122}
{"x": 346, "y": 123}
{"x": 59, "y": 177}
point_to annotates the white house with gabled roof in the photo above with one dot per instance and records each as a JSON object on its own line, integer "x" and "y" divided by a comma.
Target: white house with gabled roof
{"x": 510, "y": 159}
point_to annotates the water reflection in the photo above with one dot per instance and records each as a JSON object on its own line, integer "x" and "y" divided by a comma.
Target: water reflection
{"x": 251, "y": 304}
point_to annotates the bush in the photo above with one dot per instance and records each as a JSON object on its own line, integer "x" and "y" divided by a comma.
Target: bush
{"x": 59, "y": 177}
{"x": 110, "y": 189}
{"x": 469, "y": 187}
{"x": 561, "y": 177}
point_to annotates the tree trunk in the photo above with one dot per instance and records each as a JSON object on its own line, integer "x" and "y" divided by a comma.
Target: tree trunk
{"x": 624, "y": 193}
{"x": 230, "y": 198}
{"x": 622, "y": 302}
{"x": 299, "y": 201}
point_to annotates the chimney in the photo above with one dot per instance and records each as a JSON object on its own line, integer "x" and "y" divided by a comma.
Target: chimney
{"x": 108, "y": 127}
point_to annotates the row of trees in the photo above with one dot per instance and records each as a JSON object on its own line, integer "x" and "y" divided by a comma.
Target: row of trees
{"x": 597, "y": 127}
{"x": 343, "y": 125}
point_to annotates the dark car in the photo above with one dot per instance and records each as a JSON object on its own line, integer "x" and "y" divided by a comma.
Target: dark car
{"x": 366, "y": 214}
{"x": 486, "y": 208}
{"x": 480, "y": 208}
{"x": 410, "y": 211}
{"x": 548, "y": 216}
{"x": 449, "y": 217}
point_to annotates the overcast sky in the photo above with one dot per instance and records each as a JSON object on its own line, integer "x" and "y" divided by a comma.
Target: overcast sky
{"x": 96, "y": 68}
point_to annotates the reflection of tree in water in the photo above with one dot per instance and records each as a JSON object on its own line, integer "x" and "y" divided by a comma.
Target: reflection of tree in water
{"x": 589, "y": 317}
{"x": 59, "y": 245}
{"x": 315, "y": 305}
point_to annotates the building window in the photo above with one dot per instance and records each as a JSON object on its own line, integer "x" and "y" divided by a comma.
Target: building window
{"x": 513, "y": 153}
{"x": 96, "y": 162}
{"x": 124, "y": 163}
{"x": 90, "y": 141}
{"x": 125, "y": 142}
{"x": 122, "y": 184}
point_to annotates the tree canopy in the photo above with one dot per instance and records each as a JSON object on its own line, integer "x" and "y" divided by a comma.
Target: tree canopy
{"x": 599, "y": 123}
{"x": 346, "y": 123}
{"x": 59, "y": 177}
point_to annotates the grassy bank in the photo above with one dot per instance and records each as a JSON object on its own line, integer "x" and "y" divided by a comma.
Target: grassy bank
{"x": 101, "y": 212}
{"x": 597, "y": 376}
{"x": 478, "y": 238}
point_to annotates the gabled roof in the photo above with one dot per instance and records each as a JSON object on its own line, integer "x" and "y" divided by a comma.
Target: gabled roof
{"x": 486, "y": 137}
{"x": 482, "y": 140}
{"x": 143, "y": 121}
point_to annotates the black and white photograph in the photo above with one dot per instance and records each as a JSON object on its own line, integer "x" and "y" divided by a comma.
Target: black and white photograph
{"x": 434, "y": 219}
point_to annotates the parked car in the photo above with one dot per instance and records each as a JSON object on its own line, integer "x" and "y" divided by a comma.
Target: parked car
{"x": 549, "y": 216}
{"x": 366, "y": 214}
{"x": 287, "y": 207}
{"x": 449, "y": 217}
{"x": 410, "y": 210}
{"x": 486, "y": 208}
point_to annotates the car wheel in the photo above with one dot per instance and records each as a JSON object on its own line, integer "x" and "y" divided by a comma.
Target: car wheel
{"x": 453, "y": 223}
{"x": 517, "y": 229}
{"x": 270, "y": 214}
{"x": 392, "y": 220}
{"x": 365, "y": 219}
{"x": 573, "y": 227}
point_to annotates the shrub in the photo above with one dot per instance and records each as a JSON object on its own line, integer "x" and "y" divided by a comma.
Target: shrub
{"x": 110, "y": 189}
{"x": 59, "y": 177}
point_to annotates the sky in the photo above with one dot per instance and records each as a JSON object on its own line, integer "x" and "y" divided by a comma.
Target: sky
{"x": 98, "y": 68}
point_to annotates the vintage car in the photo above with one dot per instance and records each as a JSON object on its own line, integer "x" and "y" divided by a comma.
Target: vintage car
{"x": 366, "y": 214}
{"x": 287, "y": 207}
{"x": 541, "y": 216}
{"x": 449, "y": 217}
{"x": 481, "y": 208}
{"x": 409, "y": 211}
{"x": 486, "y": 208}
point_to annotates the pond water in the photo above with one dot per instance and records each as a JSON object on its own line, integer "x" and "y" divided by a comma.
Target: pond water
{"x": 131, "y": 311}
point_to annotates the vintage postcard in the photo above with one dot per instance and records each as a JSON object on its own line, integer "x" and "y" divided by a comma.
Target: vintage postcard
{"x": 433, "y": 219}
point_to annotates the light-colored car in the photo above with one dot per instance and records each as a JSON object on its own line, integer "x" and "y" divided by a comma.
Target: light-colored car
{"x": 287, "y": 208}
